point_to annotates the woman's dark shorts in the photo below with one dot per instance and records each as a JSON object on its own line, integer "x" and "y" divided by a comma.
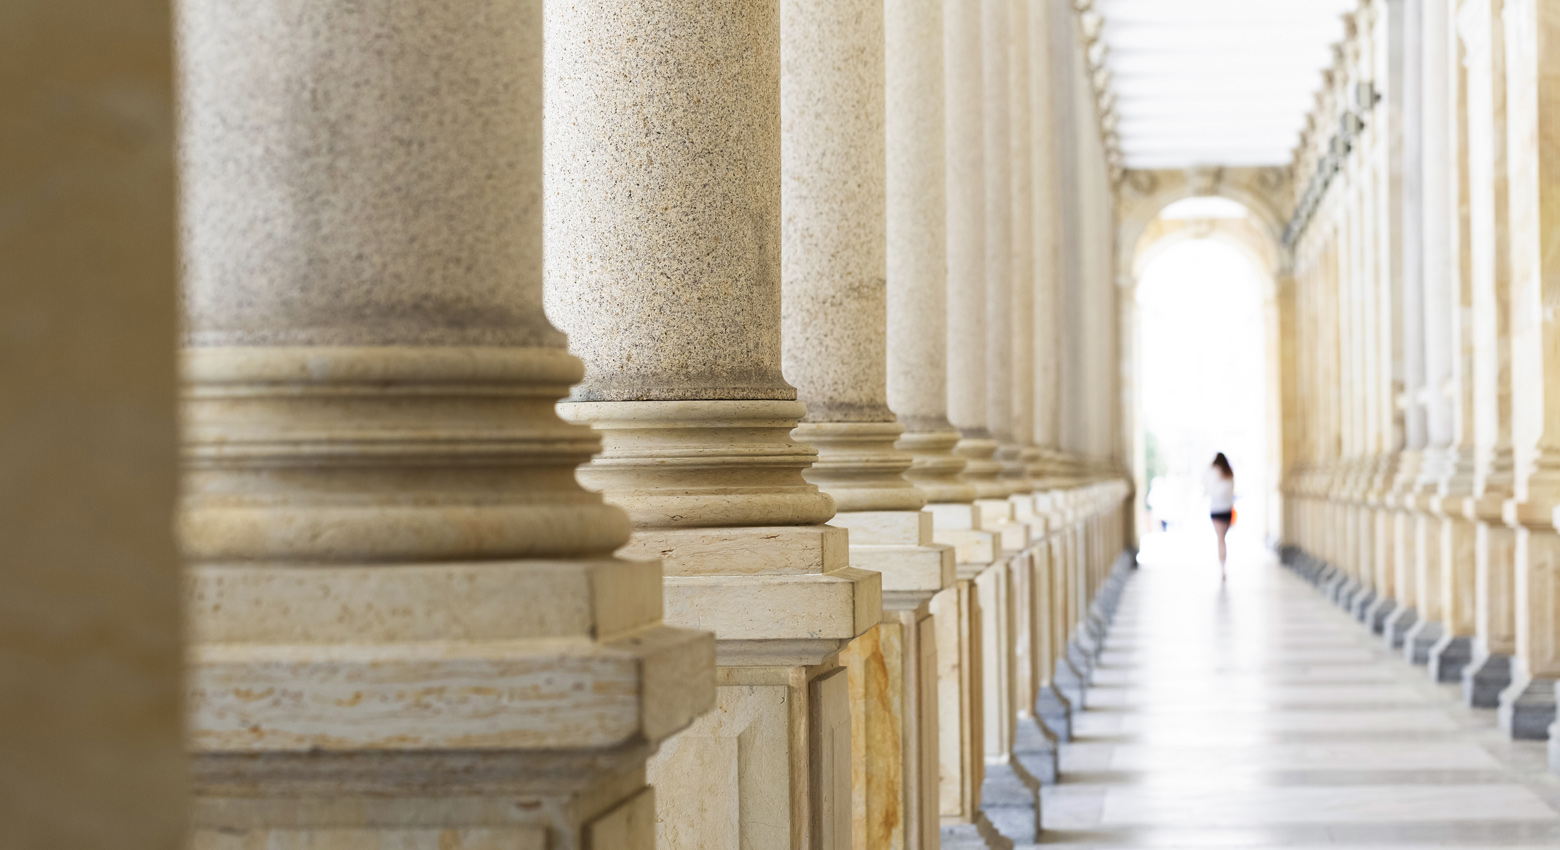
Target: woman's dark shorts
{"x": 1224, "y": 517}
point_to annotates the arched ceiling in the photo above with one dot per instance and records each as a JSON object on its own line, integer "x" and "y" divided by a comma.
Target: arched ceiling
{"x": 1216, "y": 82}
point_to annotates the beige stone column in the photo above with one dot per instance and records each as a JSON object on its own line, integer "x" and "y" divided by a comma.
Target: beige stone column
{"x": 918, "y": 273}
{"x": 1490, "y": 249}
{"x": 1436, "y": 179}
{"x": 1452, "y": 653}
{"x": 1034, "y": 744}
{"x": 90, "y": 651}
{"x": 833, "y": 328}
{"x": 918, "y": 305}
{"x": 407, "y": 624}
{"x": 1010, "y": 794}
{"x": 959, "y": 615}
{"x": 968, "y": 280}
{"x": 1527, "y": 707}
{"x": 671, "y": 293}
{"x": 1406, "y": 189}
{"x": 1051, "y": 31}
{"x": 1020, "y": 315}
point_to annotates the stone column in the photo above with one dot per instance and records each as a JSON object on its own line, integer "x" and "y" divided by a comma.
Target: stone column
{"x": 1050, "y": 33}
{"x": 664, "y": 189}
{"x": 1034, "y": 744}
{"x": 1452, "y": 653}
{"x": 1437, "y": 190}
{"x": 918, "y": 305}
{"x": 833, "y": 329}
{"x": 90, "y": 647}
{"x": 968, "y": 368}
{"x": 1490, "y": 254}
{"x": 961, "y": 711}
{"x": 1406, "y": 190}
{"x": 918, "y": 272}
{"x": 1021, "y": 309}
{"x": 380, "y": 512}
{"x": 1527, "y": 707}
{"x": 1010, "y": 794}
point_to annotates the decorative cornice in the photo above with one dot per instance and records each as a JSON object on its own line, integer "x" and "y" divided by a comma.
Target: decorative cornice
{"x": 1337, "y": 120}
{"x": 1091, "y": 28}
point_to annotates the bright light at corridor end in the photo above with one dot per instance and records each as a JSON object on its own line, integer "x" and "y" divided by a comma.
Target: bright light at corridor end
{"x": 1216, "y": 82}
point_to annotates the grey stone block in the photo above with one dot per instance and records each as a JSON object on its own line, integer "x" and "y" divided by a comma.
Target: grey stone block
{"x": 1527, "y": 708}
{"x": 1420, "y": 640}
{"x": 1052, "y": 707}
{"x": 979, "y": 835}
{"x": 1037, "y": 749}
{"x": 1396, "y": 627}
{"x": 1449, "y": 658}
{"x": 1010, "y": 798}
{"x": 1484, "y": 678}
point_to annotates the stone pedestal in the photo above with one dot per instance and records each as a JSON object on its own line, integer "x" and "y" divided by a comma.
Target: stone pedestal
{"x": 960, "y": 718}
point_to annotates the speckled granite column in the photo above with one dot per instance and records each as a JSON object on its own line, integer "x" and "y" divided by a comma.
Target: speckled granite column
{"x": 1008, "y": 795}
{"x": 967, "y": 247}
{"x": 967, "y": 279}
{"x": 663, "y": 266}
{"x": 1021, "y": 155}
{"x": 961, "y": 689}
{"x": 917, "y": 249}
{"x": 834, "y": 316}
{"x": 999, "y": 175}
{"x": 380, "y": 512}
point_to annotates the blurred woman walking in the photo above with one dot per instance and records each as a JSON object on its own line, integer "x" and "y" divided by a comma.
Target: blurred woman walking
{"x": 1220, "y": 485}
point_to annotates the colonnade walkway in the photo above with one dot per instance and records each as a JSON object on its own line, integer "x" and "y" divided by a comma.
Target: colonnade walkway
{"x": 1255, "y": 715}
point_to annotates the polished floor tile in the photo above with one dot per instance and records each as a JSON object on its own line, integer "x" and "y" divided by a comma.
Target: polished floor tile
{"x": 1254, "y": 714}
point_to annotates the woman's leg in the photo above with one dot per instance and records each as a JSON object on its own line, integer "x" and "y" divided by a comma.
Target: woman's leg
{"x": 1221, "y": 528}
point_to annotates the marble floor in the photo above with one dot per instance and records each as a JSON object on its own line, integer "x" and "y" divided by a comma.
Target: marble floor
{"x": 1254, "y": 714}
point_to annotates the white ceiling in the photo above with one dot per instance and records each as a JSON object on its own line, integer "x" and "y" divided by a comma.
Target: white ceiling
{"x": 1216, "y": 82}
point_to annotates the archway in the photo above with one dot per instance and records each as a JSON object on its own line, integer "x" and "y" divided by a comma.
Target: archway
{"x": 1199, "y": 250}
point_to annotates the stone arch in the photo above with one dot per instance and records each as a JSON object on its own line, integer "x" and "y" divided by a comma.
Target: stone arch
{"x": 1145, "y": 194}
{"x": 1142, "y": 235}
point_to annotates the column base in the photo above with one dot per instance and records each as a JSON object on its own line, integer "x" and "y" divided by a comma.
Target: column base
{"x": 1056, "y": 711}
{"x": 1035, "y": 748}
{"x": 1450, "y": 656}
{"x": 1527, "y": 708}
{"x": 1377, "y": 614}
{"x": 979, "y": 835}
{"x": 1420, "y": 639}
{"x": 453, "y": 798}
{"x": 775, "y": 751}
{"x": 1344, "y": 591}
{"x": 1360, "y": 604}
{"x": 1484, "y": 678}
{"x": 1394, "y": 630}
{"x": 1070, "y": 683}
{"x": 1554, "y": 747}
{"x": 959, "y": 526}
{"x": 1078, "y": 653}
{"x": 1010, "y": 799}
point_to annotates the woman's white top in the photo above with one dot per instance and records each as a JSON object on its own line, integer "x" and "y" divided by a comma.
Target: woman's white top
{"x": 1221, "y": 492}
